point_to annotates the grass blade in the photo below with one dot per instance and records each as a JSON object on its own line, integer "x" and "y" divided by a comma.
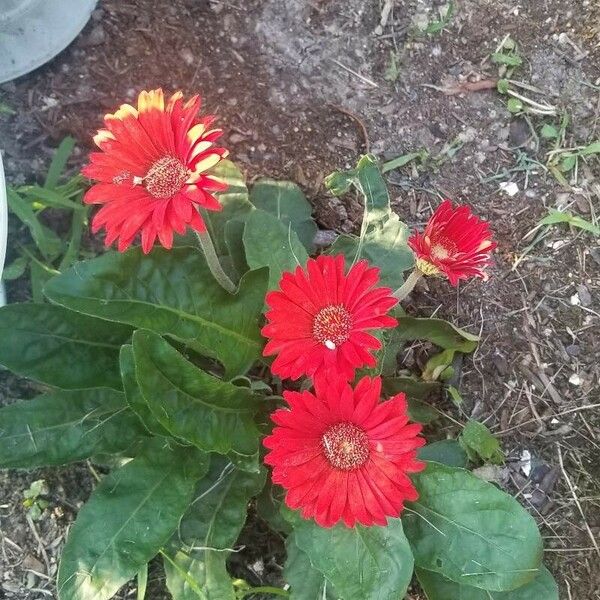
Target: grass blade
{"x": 59, "y": 162}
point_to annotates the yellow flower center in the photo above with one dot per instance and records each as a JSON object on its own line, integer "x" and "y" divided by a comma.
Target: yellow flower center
{"x": 440, "y": 249}
{"x": 332, "y": 326}
{"x": 426, "y": 267}
{"x": 346, "y": 446}
{"x": 165, "y": 177}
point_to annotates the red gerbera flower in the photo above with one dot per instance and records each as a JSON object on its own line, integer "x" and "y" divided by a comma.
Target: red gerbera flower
{"x": 341, "y": 454}
{"x": 318, "y": 319}
{"x": 455, "y": 243}
{"x": 152, "y": 170}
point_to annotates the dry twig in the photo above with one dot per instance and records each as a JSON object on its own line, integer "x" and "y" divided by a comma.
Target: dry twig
{"x": 361, "y": 77}
{"x": 560, "y": 414}
{"x": 574, "y": 494}
{"x": 358, "y": 121}
{"x": 465, "y": 87}
{"x": 385, "y": 15}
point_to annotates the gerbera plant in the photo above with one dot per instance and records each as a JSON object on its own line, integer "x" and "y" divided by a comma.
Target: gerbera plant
{"x": 344, "y": 455}
{"x": 318, "y": 319}
{"x": 206, "y": 374}
{"x": 153, "y": 172}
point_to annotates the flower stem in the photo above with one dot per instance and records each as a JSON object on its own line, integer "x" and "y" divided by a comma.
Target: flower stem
{"x": 407, "y": 287}
{"x": 213, "y": 262}
{"x": 265, "y": 590}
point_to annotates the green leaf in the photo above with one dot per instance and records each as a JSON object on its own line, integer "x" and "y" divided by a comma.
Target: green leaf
{"x": 502, "y": 86}
{"x": 383, "y": 238}
{"x": 268, "y": 507}
{"x": 236, "y": 206}
{"x": 416, "y": 391}
{"x": 39, "y": 275}
{"x": 59, "y": 162}
{"x": 370, "y": 563}
{"x": 419, "y": 412}
{"x": 218, "y": 514}
{"x": 36, "y": 489}
{"x": 214, "y": 415}
{"x": 192, "y": 579}
{"x": 557, "y": 216}
{"x": 49, "y": 244}
{"x": 286, "y": 201}
{"x": 43, "y": 197}
{"x": 549, "y": 132}
{"x": 128, "y": 518}
{"x": 436, "y": 26}
{"x": 133, "y": 393}
{"x": 340, "y": 182}
{"x": 374, "y": 190}
{"x": 271, "y": 243}
{"x": 514, "y": 105}
{"x": 413, "y": 388}
{"x": 590, "y": 149}
{"x": 5, "y": 109}
{"x": 60, "y": 348}
{"x": 208, "y": 530}
{"x": 577, "y": 221}
{"x": 567, "y": 163}
{"x": 437, "y": 331}
{"x": 478, "y": 442}
{"x": 510, "y": 59}
{"x": 16, "y": 269}
{"x": 393, "y": 342}
{"x": 306, "y": 582}
{"x": 65, "y": 427}
{"x": 404, "y": 159}
{"x": 471, "y": 532}
{"x": 543, "y": 587}
{"x": 438, "y": 367}
{"x": 556, "y": 171}
{"x": 246, "y": 462}
{"x": 35, "y": 512}
{"x": 447, "y": 452}
{"x": 142, "y": 582}
{"x": 385, "y": 247}
{"x": 171, "y": 292}
{"x": 455, "y": 396}
{"x": 77, "y": 225}
{"x": 234, "y": 240}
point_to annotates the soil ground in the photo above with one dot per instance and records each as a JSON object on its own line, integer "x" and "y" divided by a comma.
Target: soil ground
{"x": 303, "y": 87}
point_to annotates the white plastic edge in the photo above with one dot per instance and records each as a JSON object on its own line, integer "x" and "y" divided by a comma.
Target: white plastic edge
{"x": 3, "y": 229}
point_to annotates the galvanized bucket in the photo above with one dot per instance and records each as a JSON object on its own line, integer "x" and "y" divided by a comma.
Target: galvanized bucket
{"x": 34, "y": 31}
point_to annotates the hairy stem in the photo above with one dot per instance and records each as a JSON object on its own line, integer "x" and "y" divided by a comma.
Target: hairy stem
{"x": 407, "y": 287}
{"x": 213, "y": 262}
{"x": 265, "y": 590}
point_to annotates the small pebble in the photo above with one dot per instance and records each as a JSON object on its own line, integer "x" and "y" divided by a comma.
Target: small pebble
{"x": 97, "y": 36}
{"x": 585, "y": 298}
{"x": 325, "y": 237}
{"x": 573, "y": 350}
{"x": 510, "y": 188}
{"x": 187, "y": 56}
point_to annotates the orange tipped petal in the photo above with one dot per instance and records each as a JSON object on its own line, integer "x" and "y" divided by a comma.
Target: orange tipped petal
{"x": 152, "y": 169}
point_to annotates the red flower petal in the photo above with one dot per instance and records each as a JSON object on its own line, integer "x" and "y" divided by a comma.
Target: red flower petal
{"x": 316, "y": 322}
{"x": 334, "y": 466}
{"x": 455, "y": 243}
{"x": 153, "y": 151}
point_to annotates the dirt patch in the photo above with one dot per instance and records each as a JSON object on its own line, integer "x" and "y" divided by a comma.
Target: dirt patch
{"x": 302, "y": 88}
